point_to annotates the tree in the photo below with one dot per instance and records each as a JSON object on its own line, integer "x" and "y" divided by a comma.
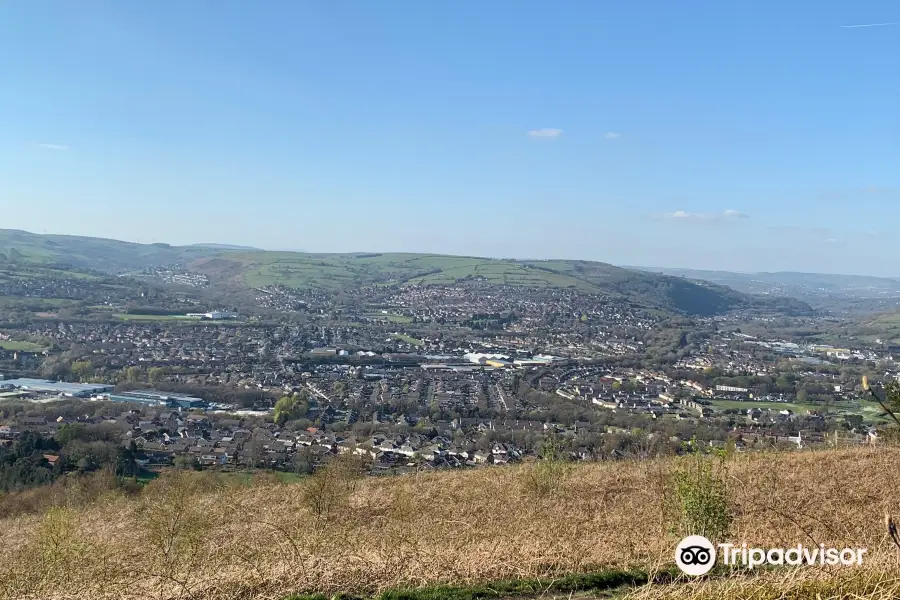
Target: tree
{"x": 125, "y": 463}
{"x": 68, "y": 432}
{"x": 54, "y": 367}
{"x": 81, "y": 369}
{"x": 290, "y": 408}
{"x": 284, "y": 408}
{"x": 156, "y": 374}
{"x": 133, "y": 374}
{"x": 302, "y": 462}
{"x": 184, "y": 461}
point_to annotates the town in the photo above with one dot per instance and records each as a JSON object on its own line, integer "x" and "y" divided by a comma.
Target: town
{"x": 418, "y": 377}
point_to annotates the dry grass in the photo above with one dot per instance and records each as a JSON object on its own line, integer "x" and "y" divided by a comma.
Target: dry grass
{"x": 190, "y": 536}
{"x": 69, "y": 492}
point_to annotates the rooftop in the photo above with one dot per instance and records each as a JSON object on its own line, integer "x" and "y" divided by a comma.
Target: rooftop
{"x": 43, "y": 385}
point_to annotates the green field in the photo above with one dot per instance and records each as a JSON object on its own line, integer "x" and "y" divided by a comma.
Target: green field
{"x": 408, "y": 339}
{"x": 390, "y": 318}
{"x": 868, "y": 410}
{"x": 885, "y": 327}
{"x": 35, "y": 303}
{"x": 127, "y": 317}
{"x": 342, "y": 271}
{"x": 334, "y": 271}
{"x": 776, "y": 406}
{"x": 402, "y": 319}
{"x": 20, "y": 346}
{"x": 93, "y": 253}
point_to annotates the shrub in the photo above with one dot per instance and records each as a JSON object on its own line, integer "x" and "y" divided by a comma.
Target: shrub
{"x": 702, "y": 504}
{"x": 327, "y": 492}
{"x": 544, "y": 478}
{"x": 176, "y": 529}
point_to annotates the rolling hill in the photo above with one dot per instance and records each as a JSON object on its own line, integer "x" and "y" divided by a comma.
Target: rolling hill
{"x": 843, "y": 296}
{"x": 794, "y": 284}
{"x": 336, "y": 271}
{"x": 98, "y": 254}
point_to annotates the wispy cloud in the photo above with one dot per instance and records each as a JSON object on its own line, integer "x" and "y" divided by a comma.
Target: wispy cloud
{"x": 870, "y": 25}
{"x": 828, "y": 235}
{"x": 859, "y": 193}
{"x": 53, "y": 146}
{"x": 880, "y": 190}
{"x": 803, "y": 230}
{"x": 692, "y": 217}
{"x": 547, "y": 132}
{"x": 612, "y": 135}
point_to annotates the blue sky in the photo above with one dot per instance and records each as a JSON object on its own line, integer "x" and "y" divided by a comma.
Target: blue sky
{"x": 742, "y": 135}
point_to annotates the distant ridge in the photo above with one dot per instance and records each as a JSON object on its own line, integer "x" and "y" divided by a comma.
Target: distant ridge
{"x": 790, "y": 282}
{"x": 226, "y": 247}
{"x": 233, "y": 265}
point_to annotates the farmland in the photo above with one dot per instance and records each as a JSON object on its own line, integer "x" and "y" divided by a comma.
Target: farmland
{"x": 334, "y": 272}
{"x": 91, "y": 258}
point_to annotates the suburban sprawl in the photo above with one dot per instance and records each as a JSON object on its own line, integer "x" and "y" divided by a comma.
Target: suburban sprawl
{"x": 248, "y": 361}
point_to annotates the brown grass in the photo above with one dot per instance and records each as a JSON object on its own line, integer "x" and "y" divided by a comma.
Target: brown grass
{"x": 70, "y": 491}
{"x": 191, "y": 536}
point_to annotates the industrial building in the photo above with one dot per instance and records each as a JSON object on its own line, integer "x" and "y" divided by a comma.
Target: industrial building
{"x": 215, "y": 315}
{"x": 43, "y": 386}
{"x": 155, "y": 398}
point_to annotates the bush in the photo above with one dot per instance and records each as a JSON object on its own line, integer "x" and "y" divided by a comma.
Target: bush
{"x": 544, "y": 478}
{"x": 327, "y": 492}
{"x": 702, "y": 504}
{"x": 176, "y": 529}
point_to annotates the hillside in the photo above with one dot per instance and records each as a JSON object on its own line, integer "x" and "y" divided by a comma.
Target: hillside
{"x": 798, "y": 285}
{"x": 211, "y": 537}
{"x": 338, "y": 271}
{"x": 98, "y": 254}
{"x": 844, "y": 296}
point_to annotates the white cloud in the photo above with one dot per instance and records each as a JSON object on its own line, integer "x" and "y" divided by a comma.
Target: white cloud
{"x": 685, "y": 216}
{"x": 612, "y": 135}
{"x": 548, "y": 132}
{"x": 53, "y": 146}
{"x": 870, "y": 25}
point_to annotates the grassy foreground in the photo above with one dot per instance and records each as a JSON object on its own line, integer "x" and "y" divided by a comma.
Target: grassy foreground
{"x": 197, "y": 536}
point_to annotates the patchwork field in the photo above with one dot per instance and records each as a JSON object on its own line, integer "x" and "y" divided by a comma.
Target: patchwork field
{"x": 259, "y": 269}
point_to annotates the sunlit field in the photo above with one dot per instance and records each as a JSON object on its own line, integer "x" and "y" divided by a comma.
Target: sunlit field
{"x": 196, "y": 535}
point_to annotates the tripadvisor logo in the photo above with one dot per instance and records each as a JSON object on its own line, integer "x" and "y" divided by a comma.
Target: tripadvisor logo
{"x": 695, "y": 555}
